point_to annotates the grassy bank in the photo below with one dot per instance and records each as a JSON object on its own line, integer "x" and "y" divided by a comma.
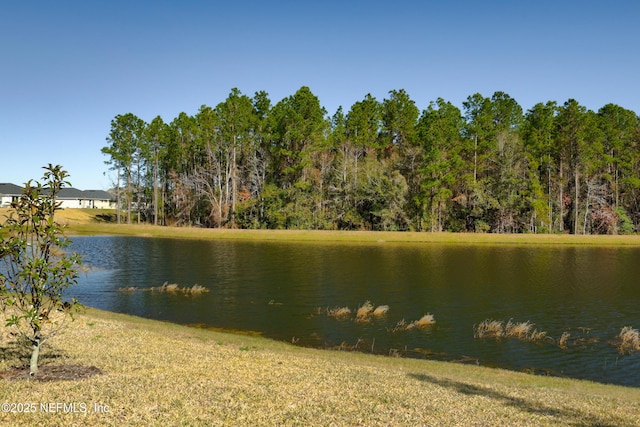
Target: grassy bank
{"x": 92, "y": 221}
{"x": 144, "y": 372}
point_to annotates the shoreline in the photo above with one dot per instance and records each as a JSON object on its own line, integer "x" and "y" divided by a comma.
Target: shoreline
{"x": 90, "y": 222}
{"x": 319, "y": 236}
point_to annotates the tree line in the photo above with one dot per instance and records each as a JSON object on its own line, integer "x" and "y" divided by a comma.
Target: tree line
{"x": 382, "y": 165}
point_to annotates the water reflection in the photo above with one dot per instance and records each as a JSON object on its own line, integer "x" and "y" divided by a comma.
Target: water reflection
{"x": 282, "y": 290}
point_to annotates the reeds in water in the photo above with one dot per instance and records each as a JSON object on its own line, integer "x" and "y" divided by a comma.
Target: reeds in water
{"x": 339, "y": 312}
{"x": 364, "y": 312}
{"x": 497, "y": 329}
{"x": 563, "y": 340}
{"x": 380, "y": 310}
{"x": 489, "y": 329}
{"x": 630, "y": 340}
{"x": 170, "y": 288}
{"x": 422, "y": 323}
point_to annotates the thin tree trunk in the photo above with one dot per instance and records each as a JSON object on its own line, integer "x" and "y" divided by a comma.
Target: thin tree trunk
{"x": 234, "y": 182}
{"x": 35, "y": 353}
{"x": 549, "y": 190}
{"x": 576, "y": 182}
{"x": 155, "y": 190}
{"x": 561, "y": 201}
{"x": 586, "y": 207}
{"x": 118, "y": 196}
{"x": 129, "y": 196}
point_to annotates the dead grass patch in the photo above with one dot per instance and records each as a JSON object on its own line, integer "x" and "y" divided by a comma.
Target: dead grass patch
{"x": 156, "y": 374}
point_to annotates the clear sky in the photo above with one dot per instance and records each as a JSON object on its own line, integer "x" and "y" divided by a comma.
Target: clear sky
{"x": 68, "y": 67}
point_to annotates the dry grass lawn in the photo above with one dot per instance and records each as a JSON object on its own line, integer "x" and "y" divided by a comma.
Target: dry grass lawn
{"x": 148, "y": 373}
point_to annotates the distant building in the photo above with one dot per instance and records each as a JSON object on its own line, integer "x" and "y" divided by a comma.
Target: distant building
{"x": 9, "y": 193}
{"x": 69, "y": 198}
{"x": 99, "y": 199}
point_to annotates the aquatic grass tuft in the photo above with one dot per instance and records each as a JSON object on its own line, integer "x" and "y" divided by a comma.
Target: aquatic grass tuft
{"x": 518, "y": 330}
{"x": 563, "y": 340}
{"x": 629, "y": 340}
{"x": 364, "y": 312}
{"x": 489, "y": 328}
{"x": 426, "y": 320}
{"x": 422, "y": 323}
{"x": 400, "y": 326}
{"x": 381, "y": 310}
{"x": 497, "y": 329}
{"x": 167, "y": 287}
{"x": 170, "y": 288}
{"x": 338, "y": 312}
{"x": 196, "y": 289}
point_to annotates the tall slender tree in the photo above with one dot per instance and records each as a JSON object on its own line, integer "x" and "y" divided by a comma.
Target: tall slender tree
{"x": 124, "y": 142}
{"x": 439, "y": 131}
{"x": 155, "y": 134}
{"x": 538, "y": 138}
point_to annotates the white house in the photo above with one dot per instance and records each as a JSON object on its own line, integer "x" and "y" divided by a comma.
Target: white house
{"x": 9, "y": 193}
{"x": 99, "y": 199}
{"x": 69, "y": 198}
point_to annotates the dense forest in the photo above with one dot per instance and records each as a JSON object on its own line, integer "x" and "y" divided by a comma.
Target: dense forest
{"x": 382, "y": 165}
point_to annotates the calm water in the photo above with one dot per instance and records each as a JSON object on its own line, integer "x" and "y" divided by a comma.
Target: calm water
{"x": 277, "y": 289}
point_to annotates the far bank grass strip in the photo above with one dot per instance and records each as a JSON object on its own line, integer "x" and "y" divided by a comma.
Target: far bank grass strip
{"x": 91, "y": 222}
{"x": 379, "y": 237}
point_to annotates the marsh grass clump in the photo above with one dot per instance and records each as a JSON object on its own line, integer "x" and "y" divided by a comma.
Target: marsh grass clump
{"x": 426, "y": 320}
{"x": 422, "y": 323}
{"x": 400, "y": 326}
{"x": 381, "y": 310}
{"x": 489, "y": 328}
{"x": 339, "y": 312}
{"x": 577, "y": 338}
{"x": 497, "y": 329}
{"x": 629, "y": 340}
{"x": 537, "y": 336}
{"x": 170, "y": 288}
{"x": 167, "y": 287}
{"x": 364, "y": 312}
{"x": 563, "y": 340}
{"x": 196, "y": 289}
{"x": 518, "y": 330}
{"x": 174, "y": 288}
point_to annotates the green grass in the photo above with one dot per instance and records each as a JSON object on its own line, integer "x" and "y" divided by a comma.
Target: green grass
{"x": 317, "y": 236}
{"x": 92, "y": 221}
{"x": 146, "y": 372}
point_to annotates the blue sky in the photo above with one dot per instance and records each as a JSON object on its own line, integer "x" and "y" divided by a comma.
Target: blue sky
{"x": 68, "y": 67}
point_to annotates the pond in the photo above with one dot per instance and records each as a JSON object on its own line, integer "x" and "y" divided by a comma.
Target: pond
{"x": 285, "y": 290}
